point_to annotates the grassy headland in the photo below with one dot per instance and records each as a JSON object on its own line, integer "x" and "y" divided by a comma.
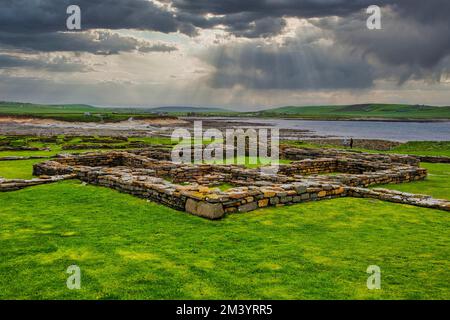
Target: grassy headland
{"x": 360, "y": 112}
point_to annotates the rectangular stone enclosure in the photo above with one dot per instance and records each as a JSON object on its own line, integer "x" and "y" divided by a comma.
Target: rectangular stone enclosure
{"x": 313, "y": 174}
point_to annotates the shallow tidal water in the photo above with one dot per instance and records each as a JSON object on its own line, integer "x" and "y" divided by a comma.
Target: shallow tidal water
{"x": 385, "y": 130}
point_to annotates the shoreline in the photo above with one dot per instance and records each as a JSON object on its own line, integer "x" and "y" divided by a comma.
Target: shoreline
{"x": 373, "y": 120}
{"x": 322, "y": 119}
{"x": 169, "y": 117}
{"x": 367, "y": 129}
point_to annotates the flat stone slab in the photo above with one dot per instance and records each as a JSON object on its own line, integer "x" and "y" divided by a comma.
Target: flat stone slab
{"x": 205, "y": 209}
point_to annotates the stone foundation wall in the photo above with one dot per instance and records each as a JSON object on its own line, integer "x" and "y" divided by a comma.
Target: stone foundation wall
{"x": 251, "y": 198}
{"x": 433, "y": 159}
{"x": 400, "y": 197}
{"x": 157, "y": 191}
{"x": 199, "y": 200}
{"x": 161, "y": 181}
{"x": 102, "y": 146}
{"x": 17, "y": 184}
{"x": 291, "y": 153}
{"x": 94, "y": 159}
{"x": 308, "y": 167}
{"x": 400, "y": 175}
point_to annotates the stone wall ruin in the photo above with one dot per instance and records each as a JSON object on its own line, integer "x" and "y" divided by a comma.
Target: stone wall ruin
{"x": 314, "y": 174}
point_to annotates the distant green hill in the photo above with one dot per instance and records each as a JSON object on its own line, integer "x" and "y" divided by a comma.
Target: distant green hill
{"x": 87, "y": 113}
{"x": 364, "y": 111}
{"x": 29, "y": 108}
{"x": 181, "y": 109}
{"x": 18, "y": 108}
{"x": 72, "y": 112}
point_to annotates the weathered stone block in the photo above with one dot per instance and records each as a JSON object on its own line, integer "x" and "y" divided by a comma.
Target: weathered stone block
{"x": 210, "y": 210}
{"x": 191, "y": 206}
{"x": 248, "y": 207}
{"x": 274, "y": 200}
{"x": 285, "y": 199}
{"x": 269, "y": 194}
{"x": 205, "y": 209}
{"x": 263, "y": 203}
{"x": 231, "y": 210}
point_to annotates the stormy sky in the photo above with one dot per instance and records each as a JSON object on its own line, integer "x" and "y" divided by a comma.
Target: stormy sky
{"x": 242, "y": 55}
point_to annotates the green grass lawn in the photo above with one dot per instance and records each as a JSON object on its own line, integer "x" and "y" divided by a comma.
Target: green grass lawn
{"x": 437, "y": 184}
{"x": 56, "y": 148}
{"x": 128, "y": 248}
{"x": 424, "y": 148}
{"x": 73, "y": 112}
{"x": 21, "y": 169}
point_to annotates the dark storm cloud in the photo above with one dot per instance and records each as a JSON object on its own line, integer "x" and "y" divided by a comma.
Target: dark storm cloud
{"x": 294, "y": 66}
{"x": 41, "y": 25}
{"x": 96, "y": 42}
{"x": 250, "y": 18}
{"x": 259, "y": 18}
{"x": 257, "y": 27}
{"x": 297, "y": 8}
{"x": 430, "y": 11}
{"x": 25, "y": 16}
{"x": 52, "y": 64}
{"x": 413, "y": 47}
{"x": 413, "y": 44}
{"x": 159, "y": 47}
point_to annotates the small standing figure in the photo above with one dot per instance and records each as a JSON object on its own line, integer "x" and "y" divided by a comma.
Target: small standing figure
{"x": 351, "y": 143}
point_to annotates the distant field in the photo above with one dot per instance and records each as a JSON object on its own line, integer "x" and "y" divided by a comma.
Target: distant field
{"x": 366, "y": 111}
{"x": 28, "y": 108}
{"x": 88, "y": 113}
{"x": 80, "y": 113}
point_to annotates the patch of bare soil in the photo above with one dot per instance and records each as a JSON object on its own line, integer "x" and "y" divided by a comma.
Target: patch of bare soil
{"x": 27, "y": 120}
